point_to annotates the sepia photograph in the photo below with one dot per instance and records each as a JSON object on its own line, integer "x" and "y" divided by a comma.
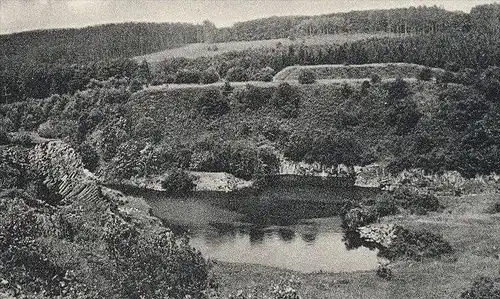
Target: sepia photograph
{"x": 249, "y": 149}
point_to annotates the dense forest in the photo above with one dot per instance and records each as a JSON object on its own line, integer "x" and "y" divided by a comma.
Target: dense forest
{"x": 403, "y": 21}
{"x": 134, "y": 39}
{"x": 26, "y": 75}
{"x": 94, "y": 43}
{"x": 452, "y": 51}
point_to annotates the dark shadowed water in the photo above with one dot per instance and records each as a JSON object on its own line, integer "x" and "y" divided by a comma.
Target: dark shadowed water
{"x": 296, "y": 228}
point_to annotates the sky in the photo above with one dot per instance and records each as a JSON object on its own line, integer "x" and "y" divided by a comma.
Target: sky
{"x": 23, "y": 15}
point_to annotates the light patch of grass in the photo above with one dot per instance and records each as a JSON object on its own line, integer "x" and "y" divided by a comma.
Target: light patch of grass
{"x": 203, "y": 50}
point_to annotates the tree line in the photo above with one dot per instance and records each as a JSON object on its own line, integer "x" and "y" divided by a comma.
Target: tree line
{"x": 453, "y": 51}
{"x": 61, "y": 46}
{"x": 411, "y": 20}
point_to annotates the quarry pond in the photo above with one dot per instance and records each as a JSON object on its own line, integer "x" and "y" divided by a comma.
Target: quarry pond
{"x": 295, "y": 228}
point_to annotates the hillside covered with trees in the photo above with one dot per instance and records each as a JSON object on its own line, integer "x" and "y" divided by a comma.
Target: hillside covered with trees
{"x": 27, "y": 75}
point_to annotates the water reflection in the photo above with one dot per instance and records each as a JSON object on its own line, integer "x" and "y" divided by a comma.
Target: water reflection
{"x": 303, "y": 247}
{"x": 292, "y": 227}
{"x": 309, "y": 234}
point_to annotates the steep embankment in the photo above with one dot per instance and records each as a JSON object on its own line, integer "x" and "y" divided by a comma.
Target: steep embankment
{"x": 354, "y": 72}
{"x": 63, "y": 172}
{"x": 176, "y": 117}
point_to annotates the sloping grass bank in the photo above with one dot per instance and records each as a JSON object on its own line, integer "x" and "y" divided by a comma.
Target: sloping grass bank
{"x": 340, "y": 71}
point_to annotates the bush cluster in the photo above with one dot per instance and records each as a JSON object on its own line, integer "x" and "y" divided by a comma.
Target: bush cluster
{"x": 416, "y": 245}
{"x": 242, "y": 159}
{"x": 70, "y": 253}
{"x": 483, "y": 288}
{"x": 236, "y": 74}
{"x": 178, "y": 182}
{"x": 251, "y": 97}
{"x": 287, "y": 100}
{"x": 212, "y": 104}
{"x": 57, "y": 129}
{"x": 307, "y": 76}
{"x": 187, "y": 76}
{"x": 416, "y": 202}
{"x": 355, "y": 214}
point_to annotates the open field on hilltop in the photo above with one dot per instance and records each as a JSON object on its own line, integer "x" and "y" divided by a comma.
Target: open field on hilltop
{"x": 203, "y": 49}
{"x": 361, "y": 71}
{"x": 470, "y": 232}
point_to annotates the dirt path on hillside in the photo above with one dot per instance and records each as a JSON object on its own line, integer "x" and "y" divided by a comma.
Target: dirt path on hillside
{"x": 262, "y": 84}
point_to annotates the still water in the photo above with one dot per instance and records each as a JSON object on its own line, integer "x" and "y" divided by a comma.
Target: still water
{"x": 296, "y": 228}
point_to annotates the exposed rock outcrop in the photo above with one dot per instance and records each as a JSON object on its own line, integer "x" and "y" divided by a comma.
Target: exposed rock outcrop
{"x": 204, "y": 181}
{"x": 63, "y": 172}
{"x": 380, "y": 234}
{"x": 448, "y": 183}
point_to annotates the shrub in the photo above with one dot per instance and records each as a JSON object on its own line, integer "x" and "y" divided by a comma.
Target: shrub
{"x": 57, "y": 128}
{"x": 212, "y": 104}
{"x": 90, "y": 158}
{"x": 307, "y": 76}
{"x": 415, "y": 202}
{"x": 4, "y": 137}
{"x": 236, "y": 74}
{"x": 210, "y": 75}
{"x": 384, "y": 272}
{"x": 227, "y": 89}
{"x": 346, "y": 90}
{"x": 365, "y": 86}
{"x": 273, "y": 131}
{"x": 178, "y": 182}
{"x": 265, "y": 74}
{"x": 251, "y": 97}
{"x": 425, "y": 74}
{"x": 402, "y": 115}
{"x": 356, "y": 217}
{"x": 287, "y": 99}
{"x": 187, "y": 76}
{"x": 398, "y": 89}
{"x": 416, "y": 245}
{"x": 135, "y": 85}
{"x": 495, "y": 208}
{"x": 483, "y": 288}
{"x": 375, "y": 79}
{"x": 384, "y": 205}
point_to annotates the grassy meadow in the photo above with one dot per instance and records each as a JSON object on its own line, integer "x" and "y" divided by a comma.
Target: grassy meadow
{"x": 196, "y": 50}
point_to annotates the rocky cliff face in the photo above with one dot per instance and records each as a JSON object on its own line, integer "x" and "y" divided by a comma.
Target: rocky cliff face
{"x": 380, "y": 234}
{"x": 450, "y": 182}
{"x": 63, "y": 172}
